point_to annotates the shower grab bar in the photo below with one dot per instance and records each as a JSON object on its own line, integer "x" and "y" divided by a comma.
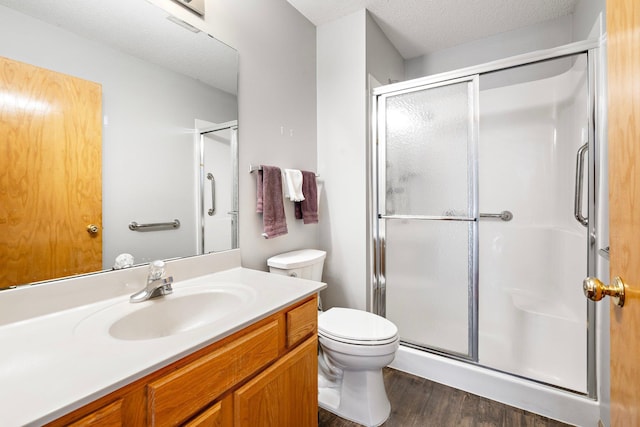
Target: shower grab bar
{"x": 213, "y": 194}
{"x": 577, "y": 201}
{"x": 134, "y": 226}
{"x": 428, "y": 217}
{"x": 504, "y": 215}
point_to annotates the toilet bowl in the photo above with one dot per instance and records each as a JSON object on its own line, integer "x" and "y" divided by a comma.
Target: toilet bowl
{"x": 354, "y": 346}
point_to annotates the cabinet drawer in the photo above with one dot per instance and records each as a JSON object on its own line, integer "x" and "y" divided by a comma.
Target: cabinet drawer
{"x": 302, "y": 321}
{"x": 107, "y": 416}
{"x": 177, "y": 396}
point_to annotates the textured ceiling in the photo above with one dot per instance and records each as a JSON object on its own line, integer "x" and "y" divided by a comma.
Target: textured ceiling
{"x": 142, "y": 30}
{"x": 417, "y": 27}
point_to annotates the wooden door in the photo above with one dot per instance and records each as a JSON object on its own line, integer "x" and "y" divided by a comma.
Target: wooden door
{"x": 623, "y": 45}
{"x": 50, "y": 174}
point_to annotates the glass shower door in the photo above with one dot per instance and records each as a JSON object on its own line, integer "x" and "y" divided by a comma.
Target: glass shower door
{"x": 219, "y": 188}
{"x": 427, "y": 210}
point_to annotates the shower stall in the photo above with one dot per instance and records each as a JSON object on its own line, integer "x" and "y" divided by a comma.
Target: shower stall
{"x": 484, "y": 216}
{"x": 217, "y": 186}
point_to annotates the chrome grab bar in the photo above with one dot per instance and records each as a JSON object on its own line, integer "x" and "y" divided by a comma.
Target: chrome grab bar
{"x": 213, "y": 193}
{"x": 577, "y": 201}
{"x": 504, "y": 215}
{"x": 134, "y": 226}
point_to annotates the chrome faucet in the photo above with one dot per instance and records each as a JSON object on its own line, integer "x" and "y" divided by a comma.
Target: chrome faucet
{"x": 157, "y": 284}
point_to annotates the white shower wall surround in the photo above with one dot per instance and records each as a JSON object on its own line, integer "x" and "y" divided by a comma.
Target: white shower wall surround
{"x": 532, "y": 314}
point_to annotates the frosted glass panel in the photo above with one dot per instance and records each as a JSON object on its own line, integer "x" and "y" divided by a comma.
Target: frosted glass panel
{"x": 427, "y": 277}
{"x": 427, "y": 152}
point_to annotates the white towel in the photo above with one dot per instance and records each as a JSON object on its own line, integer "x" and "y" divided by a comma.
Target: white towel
{"x": 293, "y": 185}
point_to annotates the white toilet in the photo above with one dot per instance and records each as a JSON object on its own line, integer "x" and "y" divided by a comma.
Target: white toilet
{"x": 354, "y": 347}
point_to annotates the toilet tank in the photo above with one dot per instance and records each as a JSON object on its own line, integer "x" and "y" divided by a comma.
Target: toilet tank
{"x": 305, "y": 263}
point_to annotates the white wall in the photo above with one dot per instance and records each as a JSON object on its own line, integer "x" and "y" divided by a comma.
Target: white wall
{"x": 545, "y": 35}
{"x": 588, "y": 19}
{"x": 384, "y": 65}
{"x": 349, "y": 49}
{"x": 277, "y": 105}
{"x": 342, "y": 158}
{"x": 384, "y": 62}
{"x": 148, "y": 161}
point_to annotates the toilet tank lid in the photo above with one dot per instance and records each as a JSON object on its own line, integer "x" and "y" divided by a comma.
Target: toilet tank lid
{"x": 296, "y": 259}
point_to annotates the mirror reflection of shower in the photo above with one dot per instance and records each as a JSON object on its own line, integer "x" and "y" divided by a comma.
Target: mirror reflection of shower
{"x": 218, "y": 187}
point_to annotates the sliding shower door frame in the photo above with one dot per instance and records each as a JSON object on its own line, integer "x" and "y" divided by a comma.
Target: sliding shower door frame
{"x": 201, "y": 183}
{"x": 377, "y": 182}
{"x": 592, "y": 245}
{"x": 471, "y": 217}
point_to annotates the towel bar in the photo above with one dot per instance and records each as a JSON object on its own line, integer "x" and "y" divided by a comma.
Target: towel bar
{"x": 253, "y": 168}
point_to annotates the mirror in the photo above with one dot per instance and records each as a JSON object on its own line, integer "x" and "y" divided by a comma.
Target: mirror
{"x": 167, "y": 93}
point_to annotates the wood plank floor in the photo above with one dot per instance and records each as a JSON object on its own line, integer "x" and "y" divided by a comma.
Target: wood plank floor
{"x": 419, "y": 402}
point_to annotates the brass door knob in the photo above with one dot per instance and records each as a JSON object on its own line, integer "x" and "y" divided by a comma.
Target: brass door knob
{"x": 595, "y": 290}
{"x": 92, "y": 229}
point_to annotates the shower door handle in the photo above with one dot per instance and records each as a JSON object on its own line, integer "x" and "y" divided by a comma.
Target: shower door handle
{"x": 577, "y": 200}
{"x": 213, "y": 194}
{"x": 595, "y": 290}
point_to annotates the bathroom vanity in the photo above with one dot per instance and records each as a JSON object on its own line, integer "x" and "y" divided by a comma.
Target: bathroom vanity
{"x": 254, "y": 364}
{"x": 263, "y": 374}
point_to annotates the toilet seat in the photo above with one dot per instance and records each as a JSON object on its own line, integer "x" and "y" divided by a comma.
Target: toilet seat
{"x": 356, "y": 327}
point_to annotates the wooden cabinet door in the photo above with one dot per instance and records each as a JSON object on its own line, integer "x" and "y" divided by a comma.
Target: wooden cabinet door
{"x": 211, "y": 417}
{"x": 50, "y": 174}
{"x": 284, "y": 395}
{"x": 623, "y": 47}
{"x": 179, "y": 395}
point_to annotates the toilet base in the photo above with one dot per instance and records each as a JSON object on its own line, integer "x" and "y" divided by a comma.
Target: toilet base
{"x": 360, "y": 398}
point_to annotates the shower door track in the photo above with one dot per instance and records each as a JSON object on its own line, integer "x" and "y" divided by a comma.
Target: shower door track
{"x": 377, "y": 303}
{"x": 500, "y": 64}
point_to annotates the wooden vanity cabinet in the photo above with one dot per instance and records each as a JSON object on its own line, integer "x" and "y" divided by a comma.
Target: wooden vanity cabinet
{"x": 263, "y": 375}
{"x": 283, "y": 394}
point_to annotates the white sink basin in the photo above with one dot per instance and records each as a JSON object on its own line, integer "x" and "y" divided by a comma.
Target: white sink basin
{"x": 184, "y": 310}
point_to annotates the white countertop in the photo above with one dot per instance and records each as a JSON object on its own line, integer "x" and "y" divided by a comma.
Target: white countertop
{"x": 50, "y": 366}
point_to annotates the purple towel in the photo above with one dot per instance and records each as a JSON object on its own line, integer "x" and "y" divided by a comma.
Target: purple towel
{"x": 307, "y": 210}
{"x": 269, "y": 201}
